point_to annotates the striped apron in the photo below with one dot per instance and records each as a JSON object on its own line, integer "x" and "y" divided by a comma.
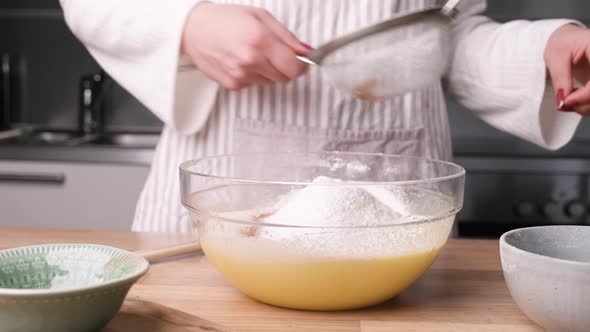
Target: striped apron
{"x": 305, "y": 114}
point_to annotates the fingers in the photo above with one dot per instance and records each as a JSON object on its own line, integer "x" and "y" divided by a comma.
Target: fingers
{"x": 581, "y": 71}
{"x": 279, "y": 46}
{"x": 285, "y": 61}
{"x": 230, "y": 78}
{"x": 259, "y": 80}
{"x": 281, "y": 32}
{"x": 248, "y": 78}
{"x": 249, "y": 69}
{"x": 270, "y": 72}
{"x": 580, "y": 96}
{"x": 560, "y": 69}
{"x": 280, "y": 64}
{"x": 218, "y": 73}
{"x": 253, "y": 49}
{"x": 583, "y": 109}
{"x": 253, "y": 62}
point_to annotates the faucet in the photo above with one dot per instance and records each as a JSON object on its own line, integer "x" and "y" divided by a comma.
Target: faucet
{"x": 5, "y": 96}
{"x": 91, "y": 117}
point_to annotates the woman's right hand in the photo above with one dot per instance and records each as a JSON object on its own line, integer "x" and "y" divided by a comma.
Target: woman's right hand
{"x": 239, "y": 46}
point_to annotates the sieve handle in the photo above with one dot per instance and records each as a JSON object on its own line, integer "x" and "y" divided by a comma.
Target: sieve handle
{"x": 306, "y": 60}
{"x": 186, "y": 67}
{"x": 189, "y": 66}
{"x": 450, "y": 8}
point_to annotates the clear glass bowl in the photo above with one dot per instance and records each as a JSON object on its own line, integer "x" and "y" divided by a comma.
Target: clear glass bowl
{"x": 287, "y": 238}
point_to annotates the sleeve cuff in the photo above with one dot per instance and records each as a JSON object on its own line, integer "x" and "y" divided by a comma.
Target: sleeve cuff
{"x": 556, "y": 128}
{"x": 498, "y": 71}
{"x": 144, "y": 58}
{"x": 531, "y": 113}
{"x": 193, "y": 94}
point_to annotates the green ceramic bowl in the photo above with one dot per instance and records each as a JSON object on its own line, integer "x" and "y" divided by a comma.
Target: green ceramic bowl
{"x": 64, "y": 287}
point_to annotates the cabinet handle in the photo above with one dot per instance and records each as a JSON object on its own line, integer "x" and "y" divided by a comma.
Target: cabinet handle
{"x": 47, "y": 178}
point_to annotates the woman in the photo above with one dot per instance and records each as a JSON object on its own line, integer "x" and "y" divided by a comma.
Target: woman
{"x": 250, "y": 92}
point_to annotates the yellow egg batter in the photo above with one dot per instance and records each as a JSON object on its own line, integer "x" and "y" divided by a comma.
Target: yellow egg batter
{"x": 314, "y": 283}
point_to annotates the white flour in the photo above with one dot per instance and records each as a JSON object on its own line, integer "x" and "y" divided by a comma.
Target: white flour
{"x": 328, "y": 204}
{"x": 334, "y": 219}
{"x": 330, "y": 220}
{"x": 393, "y": 62}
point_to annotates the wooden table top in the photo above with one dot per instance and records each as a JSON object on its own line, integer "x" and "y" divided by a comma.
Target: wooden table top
{"x": 463, "y": 291}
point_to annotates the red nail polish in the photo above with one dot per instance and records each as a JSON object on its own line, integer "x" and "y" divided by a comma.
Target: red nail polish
{"x": 559, "y": 99}
{"x": 569, "y": 105}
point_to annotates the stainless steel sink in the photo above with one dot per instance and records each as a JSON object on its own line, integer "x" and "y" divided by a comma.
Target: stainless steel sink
{"x": 127, "y": 140}
{"x": 10, "y": 133}
{"x": 54, "y": 137}
{"x": 71, "y": 138}
{"x": 35, "y": 137}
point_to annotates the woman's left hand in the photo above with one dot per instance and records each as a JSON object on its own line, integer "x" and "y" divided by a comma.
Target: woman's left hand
{"x": 567, "y": 56}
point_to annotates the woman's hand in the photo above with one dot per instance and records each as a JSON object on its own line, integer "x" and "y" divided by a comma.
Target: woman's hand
{"x": 240, "y": 46}
{"x": 567, "y": 56}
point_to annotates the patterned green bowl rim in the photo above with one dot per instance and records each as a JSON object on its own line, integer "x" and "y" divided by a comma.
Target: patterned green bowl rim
{"x": 130, "y": 279}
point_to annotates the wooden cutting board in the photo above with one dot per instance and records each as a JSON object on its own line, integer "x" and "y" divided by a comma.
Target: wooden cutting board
{"x": 463, "y": 291}
{"x": 424, "y": 326}
{"x": 138, "y": 315}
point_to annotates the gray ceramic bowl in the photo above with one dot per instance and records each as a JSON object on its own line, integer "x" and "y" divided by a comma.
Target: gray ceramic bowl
{"x": 547, "y": 270}
{"x": 64, "y": 287}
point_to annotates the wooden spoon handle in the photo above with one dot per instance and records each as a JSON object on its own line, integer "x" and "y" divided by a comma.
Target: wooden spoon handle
{"x": 179, "y": 250}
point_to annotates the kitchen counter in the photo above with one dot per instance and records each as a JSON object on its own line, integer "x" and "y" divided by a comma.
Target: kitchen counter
{"x": 54, "y": 145}
{"x": 464, "y": 155}
{"x": 84, "y": 154}
{"x": 464, "y": 290}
